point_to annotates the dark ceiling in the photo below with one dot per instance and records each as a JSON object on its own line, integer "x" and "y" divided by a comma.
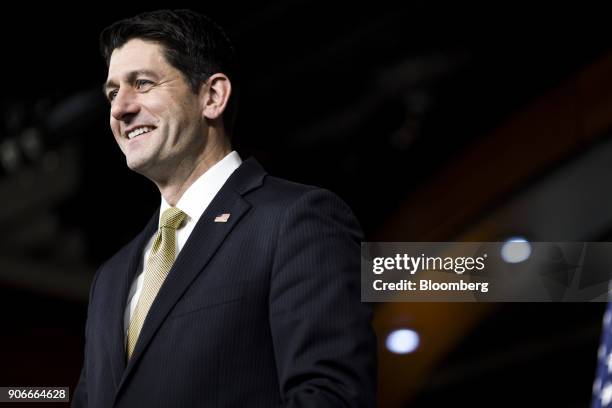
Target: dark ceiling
{"x": 367, "y": 99}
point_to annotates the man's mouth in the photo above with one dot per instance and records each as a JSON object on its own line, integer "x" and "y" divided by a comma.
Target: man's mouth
{"x": 139, "y": 131}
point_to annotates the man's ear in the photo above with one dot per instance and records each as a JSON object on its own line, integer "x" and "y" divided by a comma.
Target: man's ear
{"x": 215, "y": 93}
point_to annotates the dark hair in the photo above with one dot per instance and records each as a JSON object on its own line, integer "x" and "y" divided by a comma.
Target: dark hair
{"x": 192, "y": 42}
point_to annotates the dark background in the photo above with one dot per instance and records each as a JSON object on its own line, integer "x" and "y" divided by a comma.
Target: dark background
{"x": 433, "y": 120}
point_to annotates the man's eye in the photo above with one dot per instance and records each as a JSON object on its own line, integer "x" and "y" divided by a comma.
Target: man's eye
{"x": 143, "y": 83}
{"x": 112, "y": 95}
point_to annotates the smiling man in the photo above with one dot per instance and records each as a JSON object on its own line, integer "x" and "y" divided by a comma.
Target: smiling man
{"x": 243, "y": 289}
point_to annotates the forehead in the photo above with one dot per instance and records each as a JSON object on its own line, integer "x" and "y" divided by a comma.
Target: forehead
{"x": 136, "y": 55}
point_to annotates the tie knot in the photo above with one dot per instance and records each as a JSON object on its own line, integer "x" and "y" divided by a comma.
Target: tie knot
{"x": 172, "y": 218}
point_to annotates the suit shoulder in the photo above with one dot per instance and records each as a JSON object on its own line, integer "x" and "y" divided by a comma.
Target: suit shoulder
{"x": 279, "y": 197}
{"x": 285, "y": 189}
{"x": 278, "y": 192}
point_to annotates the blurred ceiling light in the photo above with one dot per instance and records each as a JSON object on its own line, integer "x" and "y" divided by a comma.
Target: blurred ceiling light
{"x": 402, "y": 341}
{"x": 516, "y": 250}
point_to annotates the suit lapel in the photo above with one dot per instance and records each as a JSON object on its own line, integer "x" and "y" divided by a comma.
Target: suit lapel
{"x": 202, "y": 244}
{"x": 126, "y": 267}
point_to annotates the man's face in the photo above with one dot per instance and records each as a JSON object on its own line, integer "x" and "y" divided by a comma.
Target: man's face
{"x": 155, "y": 117}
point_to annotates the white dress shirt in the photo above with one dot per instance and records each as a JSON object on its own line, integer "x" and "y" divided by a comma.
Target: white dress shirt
{"x": 193, "y": 203}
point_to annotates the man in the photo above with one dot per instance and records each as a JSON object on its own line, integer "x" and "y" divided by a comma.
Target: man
{"x": 243, "y": 289}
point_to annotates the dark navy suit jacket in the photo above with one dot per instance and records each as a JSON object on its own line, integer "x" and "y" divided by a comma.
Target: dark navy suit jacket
{"x": 260, "y": 311}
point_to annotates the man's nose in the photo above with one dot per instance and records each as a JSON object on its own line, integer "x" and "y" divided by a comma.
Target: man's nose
{"x": 124, "y": 105}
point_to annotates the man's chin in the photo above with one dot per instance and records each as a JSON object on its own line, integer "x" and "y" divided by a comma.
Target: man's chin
{"x": 137, "y": 165}
{"x": 148, "y": 168}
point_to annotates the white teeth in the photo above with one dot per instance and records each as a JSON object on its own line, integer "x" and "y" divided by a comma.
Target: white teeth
{"x": 139, "y": 131}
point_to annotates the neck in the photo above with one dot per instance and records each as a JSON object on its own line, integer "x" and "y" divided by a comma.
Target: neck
{"x": 186, "y": 174}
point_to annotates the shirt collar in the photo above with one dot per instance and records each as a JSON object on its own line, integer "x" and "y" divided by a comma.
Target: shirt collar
{"x": 199, "y": 195}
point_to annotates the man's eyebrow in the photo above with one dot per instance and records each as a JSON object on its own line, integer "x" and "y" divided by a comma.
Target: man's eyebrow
{"x": 131, "y": 76}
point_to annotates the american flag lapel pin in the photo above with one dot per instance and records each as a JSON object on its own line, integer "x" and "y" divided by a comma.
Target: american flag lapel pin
{"x": 222, "y": 217}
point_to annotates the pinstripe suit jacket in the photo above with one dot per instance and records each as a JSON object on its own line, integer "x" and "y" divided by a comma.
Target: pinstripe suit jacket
{"x": 261, "y": 311}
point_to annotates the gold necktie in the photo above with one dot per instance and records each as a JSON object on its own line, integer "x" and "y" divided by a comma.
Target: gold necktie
{"x": 159, "y": 263}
